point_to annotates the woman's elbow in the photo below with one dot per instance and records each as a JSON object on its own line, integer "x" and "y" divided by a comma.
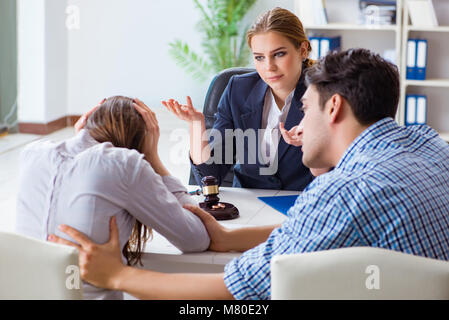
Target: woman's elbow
{"x": 199, "y": 242}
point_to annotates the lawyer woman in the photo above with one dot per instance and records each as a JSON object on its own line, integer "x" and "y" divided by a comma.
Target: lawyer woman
{"x": 260, "y": 100}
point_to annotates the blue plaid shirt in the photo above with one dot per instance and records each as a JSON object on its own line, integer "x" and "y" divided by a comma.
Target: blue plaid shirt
{"x": 389, "y": 190}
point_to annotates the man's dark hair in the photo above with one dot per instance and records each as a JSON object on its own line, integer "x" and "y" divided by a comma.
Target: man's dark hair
{"x": 368, "y": 82}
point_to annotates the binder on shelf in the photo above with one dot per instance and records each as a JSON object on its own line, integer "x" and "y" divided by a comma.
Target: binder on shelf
{"x": 421, "y": 109}
{"x": 422, "y": 13}
{"x": 410, "y": 110}
{"x": 421, "y": 59}
{"x": 329, "y": 44}
{"x": 311, "y": 12}
{"x": 321, "y": 46}
{"x": 415, "y": 109}
{"x": 411, "y": 59}
{"x": 416, "y": 59}
{"x": 315, "y": 44}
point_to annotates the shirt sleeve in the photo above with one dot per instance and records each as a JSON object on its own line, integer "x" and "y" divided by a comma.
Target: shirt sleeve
{"x": 156, "y": 202}
{"x": 178, "y": 190}
{"x": 316, "y": 222}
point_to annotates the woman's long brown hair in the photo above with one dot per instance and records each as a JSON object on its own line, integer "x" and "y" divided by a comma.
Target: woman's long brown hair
{"x": 285, "y": 23}
{"x": 117, "y": 121}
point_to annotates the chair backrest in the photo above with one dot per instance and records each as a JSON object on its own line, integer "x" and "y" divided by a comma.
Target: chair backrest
{"x": 358, "y": 273}
{"x": 35, "y": 269}
{"x": 214, "y": 93}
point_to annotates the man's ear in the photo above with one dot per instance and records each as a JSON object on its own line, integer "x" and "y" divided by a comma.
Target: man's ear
{"x": 335, "y": 108}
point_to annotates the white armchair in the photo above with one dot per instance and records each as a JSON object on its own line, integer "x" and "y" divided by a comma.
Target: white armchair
{"x": 358, "y": 273}
{"x": 34, "y": 269}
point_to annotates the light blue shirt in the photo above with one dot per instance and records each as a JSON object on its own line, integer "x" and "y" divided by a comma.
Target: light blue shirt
{"x": 389, "y": 190}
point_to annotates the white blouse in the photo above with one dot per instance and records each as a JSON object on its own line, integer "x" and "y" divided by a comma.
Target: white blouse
{"x": 83, "y": 183}
{"x": 271, "y": 117}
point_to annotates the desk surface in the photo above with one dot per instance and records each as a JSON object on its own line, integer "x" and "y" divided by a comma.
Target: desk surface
{"x": 161, "y": 255}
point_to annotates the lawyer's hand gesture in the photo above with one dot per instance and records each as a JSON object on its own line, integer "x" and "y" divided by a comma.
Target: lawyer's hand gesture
{"x": 292, "y": 136}
{"x": 184, "y": 112}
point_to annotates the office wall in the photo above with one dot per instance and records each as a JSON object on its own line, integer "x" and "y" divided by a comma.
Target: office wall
{"x": 121, "y": 47}
{"x": 8, "y": 58}
{"x": 31, "y": 60}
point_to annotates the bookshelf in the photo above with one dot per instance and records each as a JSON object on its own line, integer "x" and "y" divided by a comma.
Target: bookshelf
{"x": 343, "y": 21}
{"x": 437, "y": 81}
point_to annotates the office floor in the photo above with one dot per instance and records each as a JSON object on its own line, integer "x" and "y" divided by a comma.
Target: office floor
{"x": 173, "y": 150}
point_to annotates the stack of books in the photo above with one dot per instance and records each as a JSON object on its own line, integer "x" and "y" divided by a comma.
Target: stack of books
{"x": 377, "y": 12}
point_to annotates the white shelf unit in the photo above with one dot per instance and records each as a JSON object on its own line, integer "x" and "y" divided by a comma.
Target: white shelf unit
{"x": 343, "y": 18}
{"x": 436, "y": 85}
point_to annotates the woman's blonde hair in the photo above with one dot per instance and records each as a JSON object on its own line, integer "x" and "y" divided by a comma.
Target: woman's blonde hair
{"x": 118, "y": 122}
{"x": 285, "y": 23}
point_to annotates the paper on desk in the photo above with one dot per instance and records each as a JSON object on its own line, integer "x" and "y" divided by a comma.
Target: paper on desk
{"x": 280, "y": 203}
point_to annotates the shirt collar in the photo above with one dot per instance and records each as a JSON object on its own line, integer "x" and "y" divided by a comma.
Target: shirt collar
{"x": 373, "y": 132}
{"x": 80, "y": 142}
{"x": 287, "y": 102}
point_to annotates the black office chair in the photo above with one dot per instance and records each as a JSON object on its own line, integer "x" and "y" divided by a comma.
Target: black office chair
{"x": 216, "y": 88}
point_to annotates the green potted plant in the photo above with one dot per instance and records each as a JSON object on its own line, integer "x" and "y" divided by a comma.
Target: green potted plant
{"x": 224, "y": 39}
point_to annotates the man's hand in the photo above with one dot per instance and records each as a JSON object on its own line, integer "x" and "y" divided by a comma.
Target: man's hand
{"x": 100, "y": 265}
{"x": 83, "y": 119}
{"x": 292, "y": 136}
{"x": 219, "y": 235}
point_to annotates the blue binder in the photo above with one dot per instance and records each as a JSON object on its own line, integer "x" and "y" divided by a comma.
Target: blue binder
{"x": 421, "y": 109}
{"x": 329, "y": 44}
{"x": 321, "y": 46}
{"x": 410, "y": 109}
{"x": 411, "y": 59}
{"x": 421, "y": 59}
{"x": 415, "y": 109}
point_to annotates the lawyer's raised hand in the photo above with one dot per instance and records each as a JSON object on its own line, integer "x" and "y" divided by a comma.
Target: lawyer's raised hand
{"x": 292, "y": 136}
{"x": 184, "y": 112}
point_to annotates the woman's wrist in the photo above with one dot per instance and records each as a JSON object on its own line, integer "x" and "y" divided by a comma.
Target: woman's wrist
{"x": 119, "y": 280}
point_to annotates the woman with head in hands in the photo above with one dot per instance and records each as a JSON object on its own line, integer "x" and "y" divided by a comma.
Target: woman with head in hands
{"x": 110, "y": 168}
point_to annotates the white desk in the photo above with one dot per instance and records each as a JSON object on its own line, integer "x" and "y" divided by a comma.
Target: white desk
{"x": 161, "y": 255}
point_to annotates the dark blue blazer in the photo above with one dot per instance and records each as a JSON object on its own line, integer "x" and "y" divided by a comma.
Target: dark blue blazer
{"x": 241, "y": 107}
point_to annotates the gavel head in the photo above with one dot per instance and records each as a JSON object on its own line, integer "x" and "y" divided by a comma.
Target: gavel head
{"x": 210, "y": 190}
{"x": 219, "y": 210}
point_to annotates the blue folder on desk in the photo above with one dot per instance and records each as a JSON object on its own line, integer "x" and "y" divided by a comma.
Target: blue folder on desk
{"x": 280, "y": 203}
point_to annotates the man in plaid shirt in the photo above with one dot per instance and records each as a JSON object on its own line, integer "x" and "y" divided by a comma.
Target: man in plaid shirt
{"x": 389, "y": 188}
